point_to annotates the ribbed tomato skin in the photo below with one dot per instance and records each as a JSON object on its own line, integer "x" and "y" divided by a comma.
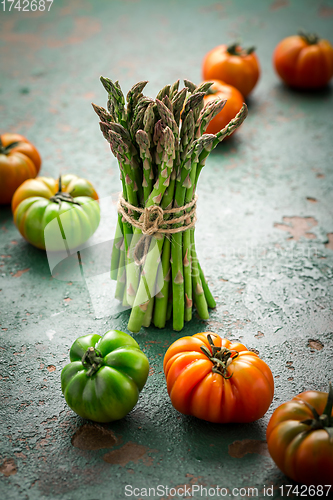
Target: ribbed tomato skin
{"x": 304, "y": 455}
{"x": 195, "y": 390}
{"x": 45, "y": 223}
{"x": 113, "y": 390}
{"x": 303, "y": 65}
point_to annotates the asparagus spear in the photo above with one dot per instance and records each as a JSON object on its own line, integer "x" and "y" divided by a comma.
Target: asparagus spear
{"x": 163, "y": 92}
{"x": 116, "y": 103}
{"x": 168, "y": 119}
{"x": 176, "y": 251}
{"x": 190, "y": 85}
{"x": 122, "y": 230}
{"x": 161, "y": 299}
{"x": 211, "y": 109}
{"x": 121, "y": 274}
{"x": 194, "y": 102}
{"x": 131, "y": 153}
{"x": 103, "y": 115}
{"x": 139, "y": 114}
{"x": 186, "y": 134}
{"x": 198, "y": 292}
{"x": 208, "y": 294}
{"x": 133, "y": 96}
{"x": 173, "y": 89}
{"x": 148, "y": 277}
{"x": 117, "y": 242}
{"x": 178, "y": 103}
{"x": 148, "y": 314}
{"x": 143, "y": 141}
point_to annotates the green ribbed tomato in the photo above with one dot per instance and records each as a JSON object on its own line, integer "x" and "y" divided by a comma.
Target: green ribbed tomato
{"x": 105, "y": 376}
{"x": 55, "y": 214}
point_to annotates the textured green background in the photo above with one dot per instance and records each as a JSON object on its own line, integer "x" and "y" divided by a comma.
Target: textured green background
{"x": 264, "y": 238}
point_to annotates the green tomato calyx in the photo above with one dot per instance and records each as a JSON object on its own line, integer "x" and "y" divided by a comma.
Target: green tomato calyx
{"x": 5, "y": 150}
{"x": 310, "y": 38}
{"x": 62, "y": 196}
{"x": 235, "y": 50}
{"x": 221, "y": 357}
{"x": 92, "y": 360}
{"x": 323, "y": 421}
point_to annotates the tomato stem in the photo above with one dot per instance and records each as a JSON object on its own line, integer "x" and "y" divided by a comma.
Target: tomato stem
{"x": 235, "y": 50}
{"x": 221, "y": 357}
{"x": 4, "y": 150}
{"x": 92, "y": 360}
{"x": 310, "y": 38}
{"x": 61, "y": 196}
{"x": 323, "y": 421}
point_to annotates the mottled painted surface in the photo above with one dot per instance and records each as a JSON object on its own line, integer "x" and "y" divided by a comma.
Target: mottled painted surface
{"x": 264, "y": 238}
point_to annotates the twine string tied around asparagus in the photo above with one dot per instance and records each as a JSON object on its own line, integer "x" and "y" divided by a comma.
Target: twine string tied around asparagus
{"x": 152, "y": 221}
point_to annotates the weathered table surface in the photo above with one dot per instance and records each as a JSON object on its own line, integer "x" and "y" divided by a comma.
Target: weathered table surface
{"x": 264, "y": 238}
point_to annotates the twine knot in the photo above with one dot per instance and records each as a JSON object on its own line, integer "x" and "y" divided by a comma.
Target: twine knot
{"x": 154, "y": 220}
{"x": 151, "y": 224}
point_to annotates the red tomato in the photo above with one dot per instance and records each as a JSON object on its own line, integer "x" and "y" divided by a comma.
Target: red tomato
{"x": 233, "y": 65}
{"x": 298, "y": 438}
{"x": 217, "y": 380}
{"x": 233, "y": 105}
{"x": 304, "y": 61}
{"x": 19, "y": 161}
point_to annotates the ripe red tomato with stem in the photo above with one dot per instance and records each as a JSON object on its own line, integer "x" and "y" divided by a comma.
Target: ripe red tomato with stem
{"x": 233, "y": 65}
{"x": 304, "y": 61}
{"x": 19, "y": 161}
{"x": 217, "y": 380}
{"x": 300, "y": 438}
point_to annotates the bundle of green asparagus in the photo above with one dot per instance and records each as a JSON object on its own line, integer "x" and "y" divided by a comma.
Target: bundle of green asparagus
{"x": 161, "y": 148}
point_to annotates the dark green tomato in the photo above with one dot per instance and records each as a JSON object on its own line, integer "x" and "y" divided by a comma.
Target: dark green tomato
{"x": 105, "y": 376}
